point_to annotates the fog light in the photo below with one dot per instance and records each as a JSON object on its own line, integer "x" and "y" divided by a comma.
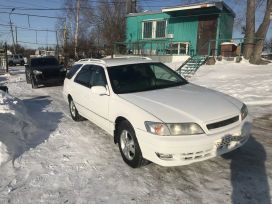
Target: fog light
{"x": 165, "y": 156}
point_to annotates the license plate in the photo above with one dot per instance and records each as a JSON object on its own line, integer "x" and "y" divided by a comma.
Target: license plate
{"x": 228, "y": 141}
{"x": 223, "y": 142}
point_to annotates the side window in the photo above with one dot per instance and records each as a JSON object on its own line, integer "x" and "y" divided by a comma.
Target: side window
{"x": 72, "y": 71}
{"x": 84, "y": 76}
{"x": 163, "y": 74}
{"x": 98, "y": 76}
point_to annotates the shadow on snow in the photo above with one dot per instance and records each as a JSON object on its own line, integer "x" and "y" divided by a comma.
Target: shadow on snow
{"x": 248, "y": 173}
{"x": 28, "y": 128}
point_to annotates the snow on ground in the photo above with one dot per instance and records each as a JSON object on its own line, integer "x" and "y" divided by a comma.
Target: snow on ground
{"x": 62, "y": 161}
{"x": 17, "y": 128}
{"x": 249, "y": 83}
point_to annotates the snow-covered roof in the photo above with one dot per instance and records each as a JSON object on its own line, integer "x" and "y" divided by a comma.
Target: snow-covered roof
{"x": 219, "y": 5}
{"x": 215, "y": 4}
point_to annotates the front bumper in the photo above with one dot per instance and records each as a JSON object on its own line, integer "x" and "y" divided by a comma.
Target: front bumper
{"x": 189, "y": 149}
{"x": 49, "y": 80}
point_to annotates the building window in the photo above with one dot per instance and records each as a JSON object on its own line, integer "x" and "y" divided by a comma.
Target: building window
{"x": 160, "y": 29}
{"x": 147, "y": 31}
{"x": 178, "y": 48}
{"x": 154, "y": 29}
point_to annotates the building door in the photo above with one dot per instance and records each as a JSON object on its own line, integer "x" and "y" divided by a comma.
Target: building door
{"x": 207, "y": 27}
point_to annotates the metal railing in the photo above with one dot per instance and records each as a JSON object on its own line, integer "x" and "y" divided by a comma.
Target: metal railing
{"x": 154, "y": 47}
{"x": 240, "y": 42}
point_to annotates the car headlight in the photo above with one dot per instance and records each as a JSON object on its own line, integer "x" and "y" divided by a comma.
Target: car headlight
{"x": 244, "y": 112}
{"x": 174, "y": 129}
{"x": 63, "y": 69}
{"x": 37, "y": 72}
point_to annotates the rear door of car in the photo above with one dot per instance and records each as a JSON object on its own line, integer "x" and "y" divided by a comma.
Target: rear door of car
{"x": 80, "y": 90}
{"x": 99, "y": 103}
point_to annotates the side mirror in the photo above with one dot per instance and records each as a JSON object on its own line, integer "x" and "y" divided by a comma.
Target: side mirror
{"x": 100, "y": 90}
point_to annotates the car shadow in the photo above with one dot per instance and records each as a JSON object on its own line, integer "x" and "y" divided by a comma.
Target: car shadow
{"x": 3, "y": 79}
{"x": 248, "y": 173}
{"x": 30, "y": 125}
{"x": 49, "y": 85}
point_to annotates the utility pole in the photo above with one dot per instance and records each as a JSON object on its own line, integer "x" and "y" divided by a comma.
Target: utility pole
{"x": 57, "y": 46}
{"x": 16, "y": 40}
{"x": 65, "y": 44}
{"x": 11, "y": 30}
{"x": 131, "y": 6}
{"x": 6, "y": 56}
{"x": 77, "y": 27}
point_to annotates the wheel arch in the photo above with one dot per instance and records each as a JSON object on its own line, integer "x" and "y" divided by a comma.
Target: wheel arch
{"x": 69, "y": 97}
{"x": 117, "y": 122}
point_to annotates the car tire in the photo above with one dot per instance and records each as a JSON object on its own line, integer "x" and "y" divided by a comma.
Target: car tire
{"x": 10, "y": 63}
{"x": 129, "y": 146}
{"x": 34, "y": 83}
{"x": 22, "y": 63}
{"x": 73, "y": 111}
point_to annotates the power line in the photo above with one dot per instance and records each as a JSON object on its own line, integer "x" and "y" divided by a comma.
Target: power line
{"x": 33, "y": 15}
{"x": 24, "y": 3}
{"x": 82, "y": 7}
{"x": 32, "y": 29}
{"x": 36, "y": 43}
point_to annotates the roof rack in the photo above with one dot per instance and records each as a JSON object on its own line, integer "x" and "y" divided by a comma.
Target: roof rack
{"x": 131, "y": 57}
{"x": 91, "y": 60}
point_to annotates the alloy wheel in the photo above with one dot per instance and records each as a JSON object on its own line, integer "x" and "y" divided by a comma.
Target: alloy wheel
{"x": 127, "y": 145}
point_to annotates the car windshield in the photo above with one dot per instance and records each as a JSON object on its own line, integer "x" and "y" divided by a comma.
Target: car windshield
{"x": 44, "y": 61}
{"x": 143, "y": 77}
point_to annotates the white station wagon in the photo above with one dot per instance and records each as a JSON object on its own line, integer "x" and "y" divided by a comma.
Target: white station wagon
{"x": 153, "y": 113}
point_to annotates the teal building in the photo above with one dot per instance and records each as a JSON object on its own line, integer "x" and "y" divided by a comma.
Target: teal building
{"x": 195, "y": 29}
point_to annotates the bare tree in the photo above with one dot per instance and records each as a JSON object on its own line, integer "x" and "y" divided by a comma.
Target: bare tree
{"x": 77, "y": 26}
{"x": 250, "y": 29}
{"x": 111, "y": 22}
{"x": 261, "y": 34}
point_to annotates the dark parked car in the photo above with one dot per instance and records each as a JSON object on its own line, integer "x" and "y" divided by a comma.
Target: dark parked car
{"x": 44, "y": 70}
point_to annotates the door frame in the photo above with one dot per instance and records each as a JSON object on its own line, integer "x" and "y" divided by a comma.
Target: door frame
{"x": 199, "y": 48}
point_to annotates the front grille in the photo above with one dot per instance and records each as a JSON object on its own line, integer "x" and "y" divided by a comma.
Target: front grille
{"x": 51, "y": 74}
{"x": 222, "y": 123}
{"x": 196, "y": 155}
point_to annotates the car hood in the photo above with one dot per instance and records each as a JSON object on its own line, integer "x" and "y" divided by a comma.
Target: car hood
{"x": 47, "y": 68}
{"x": 187, "y": 103}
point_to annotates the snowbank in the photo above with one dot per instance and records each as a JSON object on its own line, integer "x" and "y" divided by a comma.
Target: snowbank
{"x": 16, "y": 127}
{"x": 3, "y": 153}
{"x": 250, "y": 83}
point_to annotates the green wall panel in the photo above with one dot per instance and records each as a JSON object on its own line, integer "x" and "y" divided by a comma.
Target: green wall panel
{"x": 183, "y": 25}
{"x": 185, "y": 30}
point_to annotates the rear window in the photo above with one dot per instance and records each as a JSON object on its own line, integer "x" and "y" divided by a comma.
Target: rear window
{"x": 73, "y": 70}
{"x": 43, "y": 61}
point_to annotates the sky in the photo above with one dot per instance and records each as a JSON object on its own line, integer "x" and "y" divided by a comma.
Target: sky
{"x": 44, "y": 38}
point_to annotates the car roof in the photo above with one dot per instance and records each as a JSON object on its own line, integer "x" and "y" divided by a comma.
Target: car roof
{"x": 111, "y": 62}
{"x": 44, "y": 57}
